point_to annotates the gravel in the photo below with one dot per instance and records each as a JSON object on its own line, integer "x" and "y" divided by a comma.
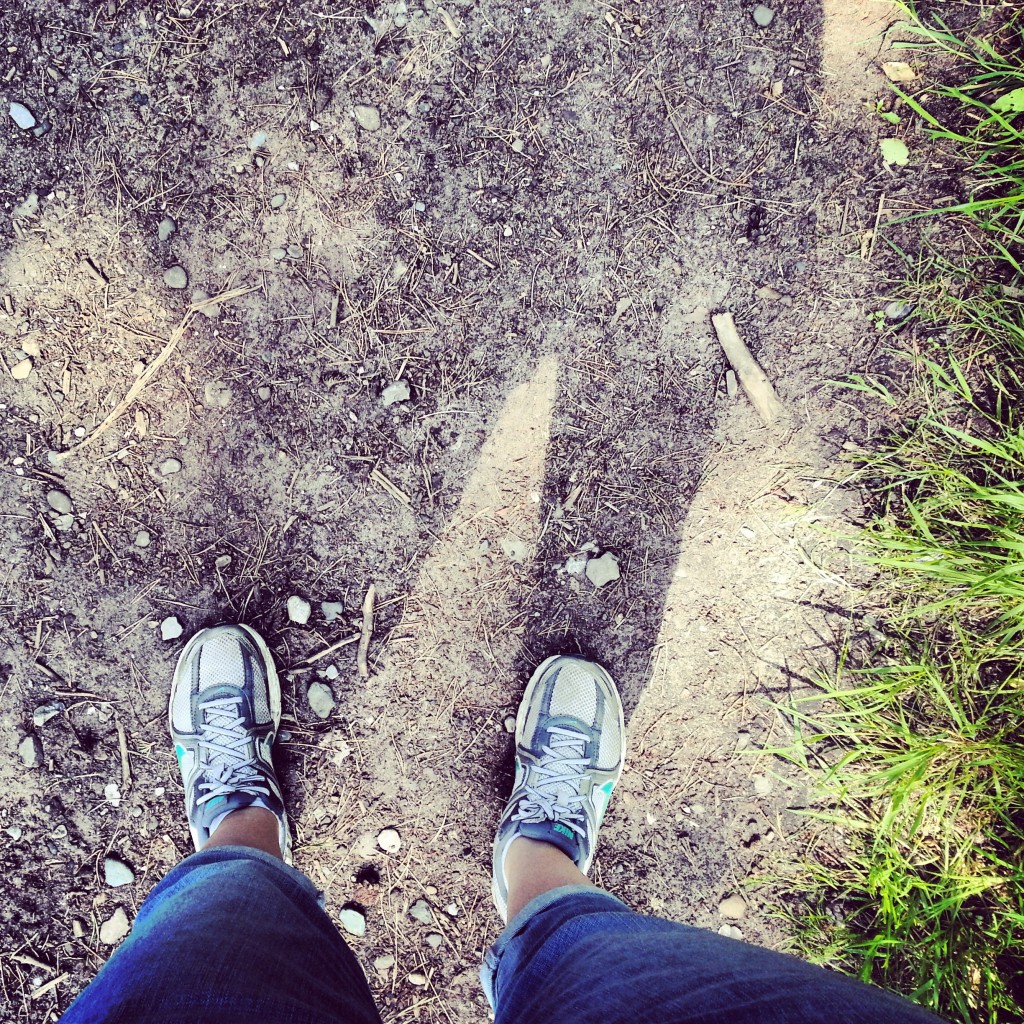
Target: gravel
{"x": 603, "y": 570}
{"x": 169, "y": 467}
{"x": 420, "y": 911}
{"x": 367, "y": 117}
{"x": 395, "y": 393}
{"x": 21, "y": 369}
{"x": 44, "y": 712}
{"x": 59, "y": 502}
{"x": 732, "y": 907}
{"x": 116, "y": 873}
{"x": 171, "y": 628}
{"x": 299, "y": 610}
{"x": 166, "y": 228}
{"x": 332, "y": 610}
{"x": 353, "y": 921}
{"x": 389, "y": 840}
{"x": 176, "y": 277}
{"x": 31, "y": 752}
{"x": 143, "y": 539}
{"x": 115, "y": 928}
{"x": 320, "y": 700}
{"x": 763, "y": 16}
{"x": 22, "y": 116}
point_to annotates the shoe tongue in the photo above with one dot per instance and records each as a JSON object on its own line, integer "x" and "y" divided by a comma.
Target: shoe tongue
{"x": 551, "y": 832}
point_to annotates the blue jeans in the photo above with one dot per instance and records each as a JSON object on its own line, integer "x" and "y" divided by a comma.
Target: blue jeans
{"x": 233, "y": 935}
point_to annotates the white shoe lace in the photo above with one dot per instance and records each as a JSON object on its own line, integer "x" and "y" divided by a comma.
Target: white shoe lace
{"x": 553, "y": 792}
{"x": 226, "y": 739}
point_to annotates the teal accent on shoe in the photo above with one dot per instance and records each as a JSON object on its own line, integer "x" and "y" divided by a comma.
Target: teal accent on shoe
{"x": 216, "y": 800}
{"x": 179, "y": 752}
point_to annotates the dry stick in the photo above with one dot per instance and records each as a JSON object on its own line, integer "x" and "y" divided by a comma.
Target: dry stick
{"x": 150, "y": 372}
{"x": 754, "y": 380}
{"x": 364, "y": 639}
{"x": 126, "y": 765}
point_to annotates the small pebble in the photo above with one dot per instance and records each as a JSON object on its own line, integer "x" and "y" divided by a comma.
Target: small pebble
{"x": 603, "y": 570}
{"x": 115, "y": 928}
{"x": 112, "y": 794}
{"x": 395, "y": 393}
{"x": 21, "y": 369}
{"x": 166, "y": 228}
{"x": 384, "y": 963}
{"x": 730, "y": 931}
{"x": 14, "y": 831}
{"x": 295, "y": 251}
{"x": 420, "y": 207}
{"x": 510, "y": 723}
{"x": 116, "y": 873}
{"x": 59, "y": 502}
{"x": 331, "y": 672}
{"x": 222, "y": 561}
{"x": 762, "y": 785}
{"x": 434, "y": 940}
{"x": 420, "y": 911}
{"x": 171, "y": 628}
{"x": 320, "y": 699}
{"x": 258, "y": 141}
{"x": 332, "y": 609}
{"x": 278, "y": 201}
{"x": 22, "y": 116}
{"x": 389, "y": 840}
{"x": 44, "y": 712}
{"x": 176, "y": 278}
{"x": 143, "y": 539}
{"x": 353, "y": 921}
{"x": 452, "y": 910}
{"x": 763, "y": 16}
{"x": 217, "y": 394}
{"x": 733, "y": 907}
{"x": 277, "y": 253}
{"x": 367, "y": 117}
{"x": 518, "y": 145}
{"x": 299, "y": 610}
{"x": 169, "y": 467}
{"x": 31, "y": 752}
{"x": 731, "y": 387}
{"x": 264, "y": 393}
{"x": 212, "y": 311}
{"x": 417, "y": 979}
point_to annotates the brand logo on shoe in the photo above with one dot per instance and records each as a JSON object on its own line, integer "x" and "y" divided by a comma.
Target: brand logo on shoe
{"x": 564, "y": 830}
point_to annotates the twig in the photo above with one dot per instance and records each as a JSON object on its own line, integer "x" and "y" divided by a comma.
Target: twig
{"x": 126, "y": 766}
{"x": 754, "y": 380}
{"x": 364, "y": 639}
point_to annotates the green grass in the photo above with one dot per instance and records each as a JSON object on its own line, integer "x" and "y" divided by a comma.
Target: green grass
{"x": 921, "y": 743}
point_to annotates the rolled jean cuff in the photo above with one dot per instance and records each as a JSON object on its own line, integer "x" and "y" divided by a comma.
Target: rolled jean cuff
{"x": 595, "y": 899}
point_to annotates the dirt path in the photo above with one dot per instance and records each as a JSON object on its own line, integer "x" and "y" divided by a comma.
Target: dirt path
{"x": 532, "y": 240}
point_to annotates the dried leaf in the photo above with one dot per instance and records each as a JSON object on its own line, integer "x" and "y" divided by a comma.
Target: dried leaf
{"x": 894, "y": 151}
{"x": 898, "y": 71}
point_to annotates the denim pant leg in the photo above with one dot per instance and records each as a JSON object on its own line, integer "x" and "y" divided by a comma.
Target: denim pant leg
{"x": 579, "y": 955}
{"x": 230, "y": 935}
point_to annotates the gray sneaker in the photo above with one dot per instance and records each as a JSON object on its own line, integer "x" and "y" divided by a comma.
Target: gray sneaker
{"x": 224, "y": 712}
{"x": 570, "y": 748}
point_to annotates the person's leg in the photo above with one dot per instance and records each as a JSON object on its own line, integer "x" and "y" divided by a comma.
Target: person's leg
{"x": 233, "y": 933}
{"x": 574, "y": 952}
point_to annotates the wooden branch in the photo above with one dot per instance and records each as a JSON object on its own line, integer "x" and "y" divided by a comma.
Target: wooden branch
{"x": 752, "y": 378}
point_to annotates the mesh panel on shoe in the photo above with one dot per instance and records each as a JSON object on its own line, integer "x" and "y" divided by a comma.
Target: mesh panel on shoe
{"x": 574, "y": 693}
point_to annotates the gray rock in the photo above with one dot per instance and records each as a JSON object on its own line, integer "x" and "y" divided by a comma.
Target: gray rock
{"x": 299, "y": 610}
{"x": 176, "y": 278}
{"x": 264, "y": 393}
{"x": 277, "y": 253}
{"x": 733, "y": 907}
{"x": 730, "y": 931}
{"x": 222, "y": 561}
{"x": 395, "y": 393}
{"x": 166, "y": 228}
{"x": 278, "y": 201}
{"x": 763, "y": 16}
{"x": 434, "y": 940}
{"x": 762, "y": 785}
{"x": 31, "y": 752}
{"x": 142, "y": 539}
{"x": 367, "y": 117}
{"x": 258, "y": 141}
{"x": 22, "y": 116}
{"x": 64, "y": 522}
{"x": 332, "y": 609}
{"x": 331, "y": 672}
{"x": 212, "y": 311}
{"x": 320, "y": 700}
{"x": 420, "y": 207}
{"x": 384, "y": 963}
{"x": 418, "y": 979}
{"x": 14, "y": 831}
{"x": 510, "y": 723}
{"x": 116, "y": 873}
{"x": 171, "y": 628}
{"x": 59, "y": 502}
{"x": 295, "y": 251}
{"x": 169, "y": 467}
{"x": 353, "y": 921}
{"x": 389, "y": 840}
{"x": 27, "y": 208}
{"x": 45, "y": 712}
{"x": 420, "y": 911}
{"x": 603, "y": 570}
{"x": 897, "y": 311}
{"x": 115, "y": 928}
{"x": 731, "y": 387}
{"x": 21, "y": 369}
